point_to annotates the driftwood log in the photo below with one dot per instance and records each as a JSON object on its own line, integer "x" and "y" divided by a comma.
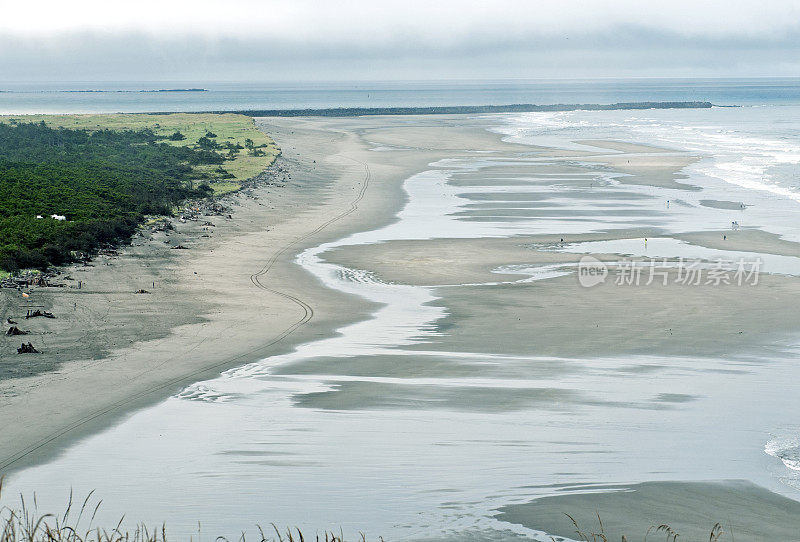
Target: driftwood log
{"x": 27, "y": 349}
{"x": 37, "y": 313}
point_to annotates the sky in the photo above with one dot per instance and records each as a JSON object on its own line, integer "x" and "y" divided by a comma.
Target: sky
{"x": 301, "y": 40}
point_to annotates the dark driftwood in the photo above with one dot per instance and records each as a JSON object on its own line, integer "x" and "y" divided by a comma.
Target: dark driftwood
{"x": 37, "y": 312}
{"x": 27, "y": 349}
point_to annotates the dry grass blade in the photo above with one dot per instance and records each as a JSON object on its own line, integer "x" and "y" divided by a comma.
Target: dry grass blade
{"x": 664, "y": 528}
{"x": 578, "y": 531}
{"x": 716, "y": 533}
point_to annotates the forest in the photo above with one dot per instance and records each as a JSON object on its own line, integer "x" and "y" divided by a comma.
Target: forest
{"x": 99, "y": 184}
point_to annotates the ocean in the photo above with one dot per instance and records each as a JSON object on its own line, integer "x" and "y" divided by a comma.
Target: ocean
{"x": 114, "y": 97}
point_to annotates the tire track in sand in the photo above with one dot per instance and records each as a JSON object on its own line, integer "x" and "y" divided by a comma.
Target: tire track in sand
{"x": 255, "y": 278}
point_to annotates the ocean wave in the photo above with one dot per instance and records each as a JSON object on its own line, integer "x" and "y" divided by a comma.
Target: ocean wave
{"x": 785, "y": 449}
{"x": 743, "y": 158}
{"x": 521, "y": 128}
{"x": 736, "y": 157}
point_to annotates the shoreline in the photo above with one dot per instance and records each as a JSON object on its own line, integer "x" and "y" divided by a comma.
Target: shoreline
{"x": 146, "y": 372}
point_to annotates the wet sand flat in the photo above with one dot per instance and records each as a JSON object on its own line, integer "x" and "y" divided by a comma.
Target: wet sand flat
{"x": 744, "y": 511}
{"x": 455, "y": 366}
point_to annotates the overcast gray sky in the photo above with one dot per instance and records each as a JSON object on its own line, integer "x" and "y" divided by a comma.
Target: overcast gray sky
{"x": 248, "y": 40}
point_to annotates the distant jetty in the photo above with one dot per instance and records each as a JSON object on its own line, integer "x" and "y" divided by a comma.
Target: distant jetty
{"x": 100, "y": 91}
{"x": 461, "y": 109}
{"x": 177, "y": 90}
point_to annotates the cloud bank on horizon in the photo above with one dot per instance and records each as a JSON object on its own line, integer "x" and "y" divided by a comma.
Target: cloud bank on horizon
{"x": 355, "y": 39}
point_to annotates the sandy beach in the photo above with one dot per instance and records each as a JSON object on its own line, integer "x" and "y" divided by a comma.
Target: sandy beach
{"x": 474, "y": 341}
{"x": 231, "y": 298}
{"x": 110, "y": 351}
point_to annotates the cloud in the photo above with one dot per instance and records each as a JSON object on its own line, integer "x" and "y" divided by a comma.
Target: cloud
{"x": 246, "y": 39}
{"x": 375, "y": 19}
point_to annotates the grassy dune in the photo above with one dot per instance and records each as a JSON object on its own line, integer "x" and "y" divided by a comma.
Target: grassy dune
{"x": 228, "y": 127}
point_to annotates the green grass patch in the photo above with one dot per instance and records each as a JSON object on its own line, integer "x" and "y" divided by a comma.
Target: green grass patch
{"x": 224, "y": 187}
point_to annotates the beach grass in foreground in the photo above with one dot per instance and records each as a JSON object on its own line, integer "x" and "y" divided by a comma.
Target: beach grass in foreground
{"x": 26, "y": 523}
{"x": 228, "y": 127}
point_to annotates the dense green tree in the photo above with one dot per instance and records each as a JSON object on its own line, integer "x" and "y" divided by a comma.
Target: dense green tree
{"x": 103, "y": 182}
{"x": 206, "y": 143}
